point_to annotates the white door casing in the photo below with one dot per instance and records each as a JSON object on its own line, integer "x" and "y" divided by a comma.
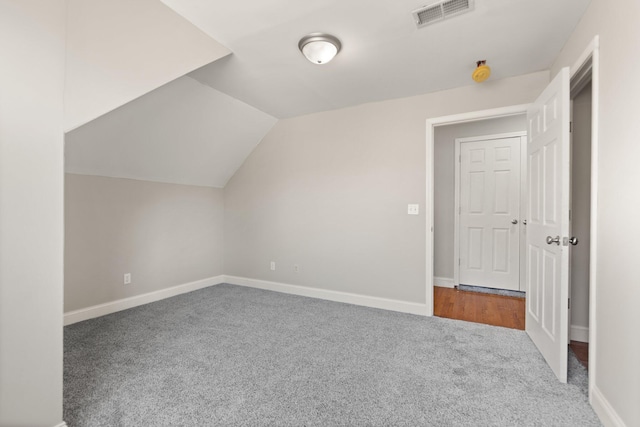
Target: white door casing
{"x": 489, "y": 204}
{"x": 548, "y": 156}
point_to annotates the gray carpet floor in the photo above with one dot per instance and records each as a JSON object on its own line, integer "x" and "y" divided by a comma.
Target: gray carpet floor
{"x": 228, "y": 355}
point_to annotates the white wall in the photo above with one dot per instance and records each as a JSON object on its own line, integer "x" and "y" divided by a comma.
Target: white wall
{"x": 329, "y": 192}
{"x": 617, "y": 371}
{"x": 444, "y": 173}
{"x": 32, "y": 48}
{"x": 581, "y": 213}
{"x": 118, "y": 50}
{"x": 163, "y": 234}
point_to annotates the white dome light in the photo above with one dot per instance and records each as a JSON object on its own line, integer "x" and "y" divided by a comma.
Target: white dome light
{"x": 319, "y": 48}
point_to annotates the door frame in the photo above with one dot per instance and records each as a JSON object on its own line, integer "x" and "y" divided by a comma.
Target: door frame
{"x": 591, "y": 52}
{"x": 432, "y": 123}
{"x": 456, "y": 212}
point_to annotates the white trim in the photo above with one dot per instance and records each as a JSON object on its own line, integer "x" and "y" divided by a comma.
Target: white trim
{"x": 456, "y": 199}
{"x": 62, "y": 424}
{"x": 456, "y": 210}
{"x": 524, "y": 199}
{"x": 579, "y": 333}
{"x": 135, "y": 301}
{"x": 571, "y": 198}
{"x": 429, "y": 211}
{"x": 444, "y": 282}
{"x": 593, "y": 46}
{"x": 491, "y": 137}
{"x": 474, "y": 116}
{"x": 593, "y": 51}
{"x": 608, "y": 416}
{"x": 593, "y": 233}
{"x": 325, "y": 294}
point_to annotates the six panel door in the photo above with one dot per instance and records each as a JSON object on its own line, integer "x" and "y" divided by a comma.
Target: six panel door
{"x": 489, "y": 221}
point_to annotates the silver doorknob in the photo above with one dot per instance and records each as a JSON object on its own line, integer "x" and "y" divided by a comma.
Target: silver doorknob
{"x": 514, "y": 221}
{"x": 555, "y": 240}
{"x": 566, "y": 241}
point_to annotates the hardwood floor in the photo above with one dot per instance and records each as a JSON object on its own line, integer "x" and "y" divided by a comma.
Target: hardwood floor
{"x": 496, "y": 310}
{"x": 581, "y": 350}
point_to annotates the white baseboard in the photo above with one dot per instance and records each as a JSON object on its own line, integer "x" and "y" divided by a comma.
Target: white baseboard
{"x": 443, "y": 282}
{"x": 337, "y": 296}
{"x": 579, "y": 333}
{"x": 134, "y": 301}
{"x": 62, "y": 424}
{"x": 608, "y": 416}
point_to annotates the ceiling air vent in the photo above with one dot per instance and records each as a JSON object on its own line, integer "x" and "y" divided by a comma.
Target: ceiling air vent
{"x": 440, "y": 11}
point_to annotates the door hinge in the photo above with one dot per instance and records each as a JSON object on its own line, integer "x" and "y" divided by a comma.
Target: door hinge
{"x": 570, "y": 127}
{"x": 569, "y": 307}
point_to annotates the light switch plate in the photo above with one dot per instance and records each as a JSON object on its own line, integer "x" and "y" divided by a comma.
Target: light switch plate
{"x": 413, "y": 209}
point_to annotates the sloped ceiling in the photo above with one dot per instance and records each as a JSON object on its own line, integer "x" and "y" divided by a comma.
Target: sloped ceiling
{"x": 384, "y": 55}
{"x": 118, "y": 50}
{"x": 199, "y": 128}
{"x": 183, "y": 133}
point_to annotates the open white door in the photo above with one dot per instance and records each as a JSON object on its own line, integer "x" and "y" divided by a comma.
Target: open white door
{"x": 548, "y": 157}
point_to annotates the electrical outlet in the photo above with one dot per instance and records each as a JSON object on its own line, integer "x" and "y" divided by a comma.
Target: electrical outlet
{"x": 413, "y": 209}
{"x": 127, "y": 278}
{"x": 273, "y": 265}
{"x": 296, "y": 268}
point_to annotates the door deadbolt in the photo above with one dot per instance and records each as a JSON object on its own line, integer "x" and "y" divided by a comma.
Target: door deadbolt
{"x": 514, "y": 221}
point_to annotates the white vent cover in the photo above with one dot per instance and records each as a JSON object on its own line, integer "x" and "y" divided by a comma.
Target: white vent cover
{"x": 440, "y": 11}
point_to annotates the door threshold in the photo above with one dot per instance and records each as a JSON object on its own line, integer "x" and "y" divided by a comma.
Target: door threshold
{"x": 494, "y": 291}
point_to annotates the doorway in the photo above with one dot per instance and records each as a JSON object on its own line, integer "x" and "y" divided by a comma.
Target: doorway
{"x": 446, "y": 180}
{"x": 465, "y": 280}
{"x": 581, "y": 153}
{"x": 590, "y": 55}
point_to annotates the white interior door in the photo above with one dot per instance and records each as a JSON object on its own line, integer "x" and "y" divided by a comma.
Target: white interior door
{"x": 489, "y": 219}
{"x": 548, "y": 155}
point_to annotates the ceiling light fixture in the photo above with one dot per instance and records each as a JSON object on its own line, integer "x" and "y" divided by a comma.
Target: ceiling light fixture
{"x": 319, "y": 48}
{"x": 482, "y": 72}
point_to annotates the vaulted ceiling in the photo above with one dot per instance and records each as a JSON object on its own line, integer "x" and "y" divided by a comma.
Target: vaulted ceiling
{"x": 119, "y": 50}
{"x": 384, "y": 55}
{"x": 199, "y": 128}
{"x": 183, "y": 133}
